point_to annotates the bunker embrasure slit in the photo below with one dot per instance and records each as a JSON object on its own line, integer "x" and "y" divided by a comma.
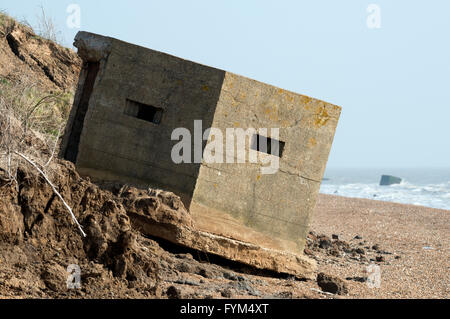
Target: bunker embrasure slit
{"x": 267, "y": 145}
{"x": 144, "y": 112}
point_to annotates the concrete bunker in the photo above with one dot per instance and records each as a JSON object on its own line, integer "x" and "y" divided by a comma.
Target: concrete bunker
{"x": 129, "y": 101}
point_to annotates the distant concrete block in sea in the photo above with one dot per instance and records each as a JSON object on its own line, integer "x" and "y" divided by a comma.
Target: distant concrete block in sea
{"x": 387, "y": 180}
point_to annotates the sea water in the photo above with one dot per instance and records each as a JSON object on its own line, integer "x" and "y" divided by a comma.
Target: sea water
{"x": 424, "y": 187}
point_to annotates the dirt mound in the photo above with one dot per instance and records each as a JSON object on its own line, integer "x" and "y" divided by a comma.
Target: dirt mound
{"x": 22, "y": 52}
{"x": 39, "y": 227}
{"x": 39, "y": 241}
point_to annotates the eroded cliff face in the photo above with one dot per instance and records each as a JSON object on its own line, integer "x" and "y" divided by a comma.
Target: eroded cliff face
{"x": 23, "y": 53}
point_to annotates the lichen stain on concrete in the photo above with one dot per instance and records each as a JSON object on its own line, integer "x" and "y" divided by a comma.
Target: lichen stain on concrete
{"x": 286, "y": 95}
{"x": 321, "y": 117}
{"x": 272, "y": 113}
{"x": 273, "y": 117}
{"x": 285, "y": 124}
{"x": 312, "y": 142}
{"x": 306, "y": 102}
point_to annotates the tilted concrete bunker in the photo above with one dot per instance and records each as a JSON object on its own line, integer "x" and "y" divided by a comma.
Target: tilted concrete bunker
{"x": 129, "y": 101}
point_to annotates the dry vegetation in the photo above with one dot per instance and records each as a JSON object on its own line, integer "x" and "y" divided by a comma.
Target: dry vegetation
{"x": 45, "y": 27}
{"x": 32, "y": 121}
{"x": 31, "y": 116}
{"x": 6, "y": 24}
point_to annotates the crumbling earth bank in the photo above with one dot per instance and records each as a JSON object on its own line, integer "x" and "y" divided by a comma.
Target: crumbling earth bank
{"x": 45, "y": 241}
{"x": 38, "y": 241}
{"x": 22, "y": 52}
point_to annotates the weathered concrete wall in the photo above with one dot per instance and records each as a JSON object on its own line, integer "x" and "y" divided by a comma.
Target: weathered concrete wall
{"x": 278, "y": 206}
{"x": 231, "y": 200}
{"x": 116, "y": 145}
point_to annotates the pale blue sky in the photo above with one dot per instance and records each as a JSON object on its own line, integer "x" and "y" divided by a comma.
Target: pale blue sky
{"x": 393, "y": 83}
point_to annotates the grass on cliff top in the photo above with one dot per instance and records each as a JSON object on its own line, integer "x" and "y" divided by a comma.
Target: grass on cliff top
{"x": 31, "y": 123}
{"x": 6, "y": 22}
{"x": 4, "y": 17}
{"x": 32, "y": 119}
{"x": 45, "y": 28}
{"x": 42, "y": 111}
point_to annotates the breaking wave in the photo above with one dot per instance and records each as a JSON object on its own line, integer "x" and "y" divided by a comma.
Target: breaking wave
{"x": 436, "y": 195}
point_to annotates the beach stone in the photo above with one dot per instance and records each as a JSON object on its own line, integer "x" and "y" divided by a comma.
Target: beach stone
{"x": 312, "y": 236}
{"x": 283, "y": 295}
{"x": 187, "y": 282}
{"x": 245, "y": 287}
{"x": 185, "y": 267}
{"x": 331, "y": 284}
{"x": 173, "y": 293}
{"x": 308, "y": 252}
{"x": 184, "y": 256}
{"x": 358, "y": 279}
{"x": 230, "y": 276}
{"x": 205, "y": 273}
{"x": 334, "y": 252}
{"x": 363, "y": 259}
{"x": 227, "y": 293}
{"x": 324, "y": 242}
